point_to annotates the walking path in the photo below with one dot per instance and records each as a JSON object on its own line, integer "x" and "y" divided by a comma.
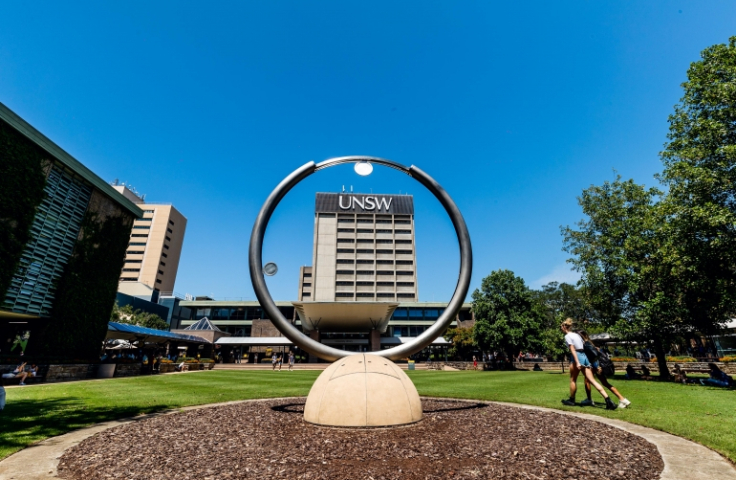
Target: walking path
{"x": 683, "y": 459}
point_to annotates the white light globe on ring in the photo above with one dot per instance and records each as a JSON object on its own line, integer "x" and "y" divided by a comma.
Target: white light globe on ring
{"x": 363, "y": 168}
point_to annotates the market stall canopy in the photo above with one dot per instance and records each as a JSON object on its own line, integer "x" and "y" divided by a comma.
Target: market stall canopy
{"x": 345, "y": 316}
{"x": 124, "y": 331}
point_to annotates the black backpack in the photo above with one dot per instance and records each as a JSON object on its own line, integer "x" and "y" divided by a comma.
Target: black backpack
{"x": 590, "y": 352}
{"x": 606, "y": 364}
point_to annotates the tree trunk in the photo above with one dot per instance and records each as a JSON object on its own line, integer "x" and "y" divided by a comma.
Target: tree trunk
{"x": 664, "y": 372}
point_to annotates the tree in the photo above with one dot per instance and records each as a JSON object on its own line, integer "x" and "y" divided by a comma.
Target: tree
{"x": 699, "y": 162}
{"x": 463, "y": 345}
{"x": 507, "y": 317}
{"x": 625, "y": 257}
{"x": 126, "y": 314}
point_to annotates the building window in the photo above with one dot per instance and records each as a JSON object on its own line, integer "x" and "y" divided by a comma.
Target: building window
{"x": 385, "y": 272}
{"x": 385, "y": 262}
{"x": 403, "y": 232}
{"x": 384, "y": 231}
{"x": 345, "y": 240}
{"x": 306, "y": 294}
{"x": 345, "y": 272}
{"x": 384, "y": 251}
{"x": 385, "y": 295}
{"x": 385, "y": 284}
{"x": 169, "y": 230}
{"x": 307, "y": 275}
{"x": 404, "y": 273}
{"x": 171, "y": 223}
{"x": 163, "y": 264}
{"x": 160, "y": 272}
{"x": 166, "y": 246}
{"x": 366, "y": 262}
{"x": 404, "y": 262}
{"x": 365, "y": 240}
{"x": 137, "y": 244}
{"x": 345, "y": 260}
{"x": 147, "y": 211}
{"x": 366, "y": 284}
{"x": 306, "y": 284}
{"x": 129, "y": 279}
{"x": 131, "y": 269}
{"x": 403, "y": 222}
{"x": 404, "y": 242}
{"x": 365, "y": 220}
{"x": 403, "y": 252}
{"x": 344, "y": 294}
{"x": 142, "y": 235}
{"x": 135, "y": 252}
{"x": 346, "y": 284}
{"x": 384, "y": 240}
{"x": 133, "y": 261}
{"x": 383, "y": 220}
{"x": 365, "y": 272}
{"x": 345, "y": 250}
{"x": 345, "y": 220}
{"x": 168, "y": 239}
{"x": 365, "y": 230}
{"x": 158, "y": 281}
{"x": 142, "y": 226}
{"x": 406, "y": 295}
{"x": 365, "y": 250}
{"x": 365, "y": 294}
{"x": 346, "y": 230}
{"x": 326, "y": 215}
{"x": 164, "y": 255}
{"x": 405, "y": 284}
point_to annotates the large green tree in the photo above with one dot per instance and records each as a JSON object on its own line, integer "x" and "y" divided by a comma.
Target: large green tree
{"x": 700, "y": 173}
{"x": 507, "y": 315}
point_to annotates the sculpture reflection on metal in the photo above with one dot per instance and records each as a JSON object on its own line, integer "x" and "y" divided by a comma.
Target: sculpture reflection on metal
{"x": 255, "y": 261}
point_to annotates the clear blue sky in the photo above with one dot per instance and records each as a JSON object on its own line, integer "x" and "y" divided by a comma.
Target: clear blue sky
{"x": 514, "y": 107}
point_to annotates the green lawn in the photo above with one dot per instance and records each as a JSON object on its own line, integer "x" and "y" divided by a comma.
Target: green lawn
{"x": 706, "y": 415}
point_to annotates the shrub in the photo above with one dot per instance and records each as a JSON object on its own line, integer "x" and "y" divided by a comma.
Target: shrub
{"x": 681, "y": 359}
{"x": 624, "y": 359}
{"x": 165, "y": 360}
{"x": 206, "y": 360}
{"x": 728, "y": 359}
{"x": 190, "y": 360}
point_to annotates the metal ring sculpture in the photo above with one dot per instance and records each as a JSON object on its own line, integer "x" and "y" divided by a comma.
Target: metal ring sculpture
{"x": 255, "y": 261}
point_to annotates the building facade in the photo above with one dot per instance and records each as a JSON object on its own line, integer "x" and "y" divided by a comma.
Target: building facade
{"x": 155, "y": 246}
{"x": 363, "y": 249}
{"x": 67, "y": 232}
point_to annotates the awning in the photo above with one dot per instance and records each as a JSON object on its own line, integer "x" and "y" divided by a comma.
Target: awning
{"x": 124, "y": 331}
{"x": 345, "y": 316}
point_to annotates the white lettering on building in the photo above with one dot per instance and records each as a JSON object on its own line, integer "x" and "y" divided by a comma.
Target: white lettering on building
{"x": 366, "y": 203}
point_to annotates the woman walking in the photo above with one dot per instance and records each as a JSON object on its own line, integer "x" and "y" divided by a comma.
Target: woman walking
{"x": 593, "y": 354}
{"x": 579, "y": 363}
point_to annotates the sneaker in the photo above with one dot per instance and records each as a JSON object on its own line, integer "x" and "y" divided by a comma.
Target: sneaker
{"x": 22, "y": 384}
{"x": 624, "y": 403}
{"x": 610, "y": 405}
{"x": 568, "y": 402}
{"x": 587, "y": 403}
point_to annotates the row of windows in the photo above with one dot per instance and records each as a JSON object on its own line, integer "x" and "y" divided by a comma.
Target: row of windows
{"x": 371, "y": 240}
{"x": 368, "y": 250}
{"x": 377, "y": 272}
{"x": 350, "y": 261}
{"x": 370, "y": 284}
{"x": 370, "y": 220}
{"x": 403, "y": 296}
{"x": 370, "y": 230}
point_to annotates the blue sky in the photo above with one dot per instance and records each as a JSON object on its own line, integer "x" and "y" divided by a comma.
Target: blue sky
{"x": 513, "y": 107}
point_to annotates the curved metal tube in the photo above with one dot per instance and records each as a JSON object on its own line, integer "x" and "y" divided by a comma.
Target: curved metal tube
{"x": 255, "y": 261}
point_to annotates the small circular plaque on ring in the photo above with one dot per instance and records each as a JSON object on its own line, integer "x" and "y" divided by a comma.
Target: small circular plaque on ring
{"x": 270, "y": 269}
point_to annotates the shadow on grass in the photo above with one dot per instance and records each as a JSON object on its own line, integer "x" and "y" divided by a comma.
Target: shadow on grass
{"x": 298, "y": 408}
{"x": 24, "y": 422}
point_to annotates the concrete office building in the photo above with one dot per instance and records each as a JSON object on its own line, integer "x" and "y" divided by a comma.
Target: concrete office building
{"x": 363, "y": 249}
{"x": 155, "y": 245}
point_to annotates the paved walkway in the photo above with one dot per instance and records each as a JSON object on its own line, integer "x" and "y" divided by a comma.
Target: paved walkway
{"x": 683, "y": 459}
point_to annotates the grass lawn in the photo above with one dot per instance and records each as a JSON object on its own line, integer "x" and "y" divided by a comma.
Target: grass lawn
{"x": 704, "y": 414}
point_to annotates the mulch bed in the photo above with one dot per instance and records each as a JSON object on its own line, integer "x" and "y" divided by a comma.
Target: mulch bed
{"x": 456, "y": 440}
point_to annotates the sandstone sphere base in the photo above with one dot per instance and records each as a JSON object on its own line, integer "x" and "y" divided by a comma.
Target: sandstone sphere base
{"x": 363, "y": 391}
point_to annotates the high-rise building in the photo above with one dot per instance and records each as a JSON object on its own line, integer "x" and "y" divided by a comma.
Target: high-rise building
{"x": 152, "y": 257}
{"x": 363, "y": 249}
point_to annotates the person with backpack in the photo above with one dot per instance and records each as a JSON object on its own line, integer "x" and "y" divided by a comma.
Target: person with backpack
{"x": 579, "y": 363}
{"x": 602, "y": 366}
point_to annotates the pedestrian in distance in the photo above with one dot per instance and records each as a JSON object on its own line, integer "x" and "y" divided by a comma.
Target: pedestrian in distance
{"x": 281, "y": 360}
{"x": 274, "y": 359}
{"x": 594, "y": 354}
{"x": 291, "y": 361}
{"x": 580, "y": 363}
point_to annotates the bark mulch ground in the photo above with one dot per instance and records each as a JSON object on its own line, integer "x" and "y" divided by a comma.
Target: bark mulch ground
{"x": 456, "y": 440}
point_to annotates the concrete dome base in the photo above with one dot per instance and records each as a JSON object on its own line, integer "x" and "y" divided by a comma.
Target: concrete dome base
{"x": 363, "y": 391}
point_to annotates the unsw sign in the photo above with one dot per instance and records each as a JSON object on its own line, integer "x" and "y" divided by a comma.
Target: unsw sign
{"x": 364, "y": 203}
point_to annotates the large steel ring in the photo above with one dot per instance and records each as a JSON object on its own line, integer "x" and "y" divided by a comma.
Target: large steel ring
{"x": 255, "y": 261}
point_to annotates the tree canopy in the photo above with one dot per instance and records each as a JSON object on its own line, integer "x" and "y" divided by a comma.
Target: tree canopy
{"x": 507, "y": 316}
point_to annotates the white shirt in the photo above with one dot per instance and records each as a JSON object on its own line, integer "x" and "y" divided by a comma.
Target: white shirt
{"x": 575, "y": 340}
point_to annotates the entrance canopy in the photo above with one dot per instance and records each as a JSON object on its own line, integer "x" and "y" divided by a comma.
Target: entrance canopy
{"x": 255, "y": 341}
{"x": 124, "y": 331}
{"x": 345, "y": 316}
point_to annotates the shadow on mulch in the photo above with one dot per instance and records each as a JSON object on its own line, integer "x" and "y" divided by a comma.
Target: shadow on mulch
{"x": 298, "y": 408}
{"x": 24, "y": 422}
